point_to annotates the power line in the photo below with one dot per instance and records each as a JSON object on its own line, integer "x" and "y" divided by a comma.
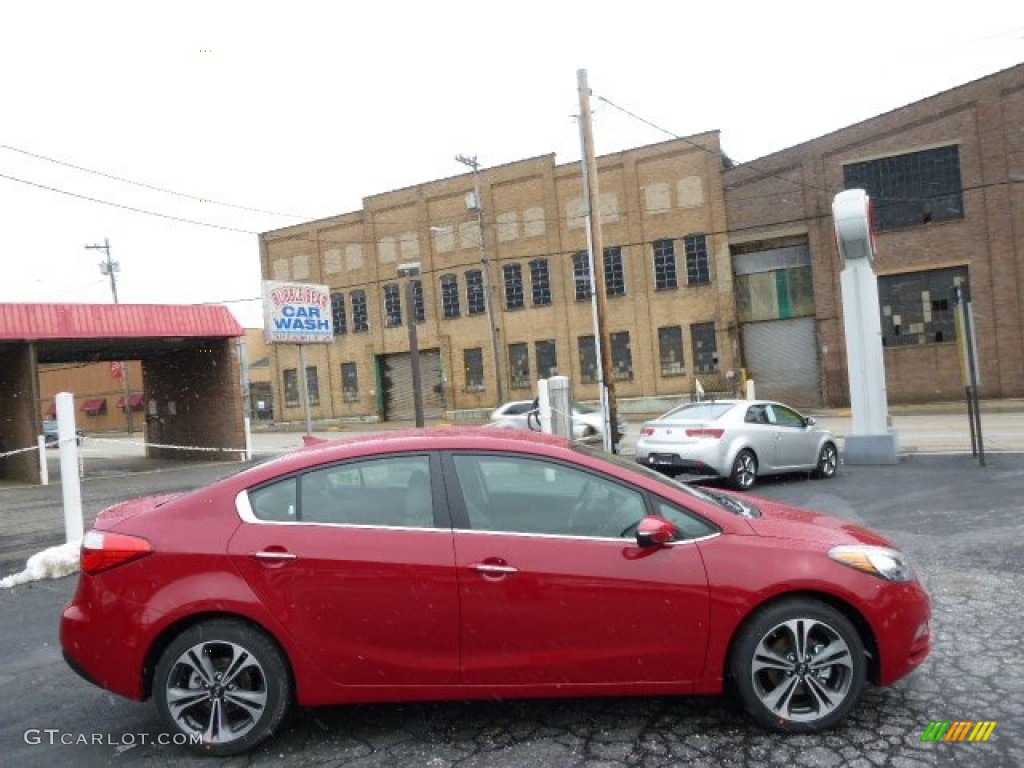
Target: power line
{"x": 128, "y": 207}
{"x": 149, "y": 186}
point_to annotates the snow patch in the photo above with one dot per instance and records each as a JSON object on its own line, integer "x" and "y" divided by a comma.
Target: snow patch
{"x": 51, "y": 563}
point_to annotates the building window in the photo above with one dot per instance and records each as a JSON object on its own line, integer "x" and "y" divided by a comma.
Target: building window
{"x": 312, "y": 385}
{"x": 338, "y": 313}
{"x": 705, "y": 347}
{"x": 513, "y": 286}
{"x": 360, "y": 317}
{"x": 392, "y": 305}
{"x": 419, "y": 310}
{"x": 540, "y": 283}
{"x": 519, "y": 366}
{"x": 349, "y": 383}
{"x": 665, "y": 265}
{"x": 450, "y": 296}
{"x": 622, "y": 356}
{"x": 697, "y": 270}
{"x": 670, "y": 350}
{"x": 547, "y": 358}
{"x": 291, "y": 387}
{"x": 581, "y": 275}
{"x": 588, "y": 360}
{"x": 614, "y": 275}
{"x": 917, "y": 307}
{"x": 475, "y": 300}
{"x": 911, "y": 189}
{"x": 474, "y": 364}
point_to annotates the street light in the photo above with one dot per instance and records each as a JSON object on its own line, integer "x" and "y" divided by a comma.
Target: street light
{"x": 477, "y": 205}
{"x": 410, "y": 270}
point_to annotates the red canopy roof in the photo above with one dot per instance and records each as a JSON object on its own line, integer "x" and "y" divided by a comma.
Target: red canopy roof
{"x": 28, "y": 322}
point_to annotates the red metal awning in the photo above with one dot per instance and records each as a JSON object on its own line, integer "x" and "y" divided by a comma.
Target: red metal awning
{"x": 30, "y": 322}
{"x": 135, "y": 402}
{"x": 94, "y": 405}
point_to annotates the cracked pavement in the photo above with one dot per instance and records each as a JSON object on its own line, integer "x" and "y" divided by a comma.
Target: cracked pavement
{"x": 960, "y": 523}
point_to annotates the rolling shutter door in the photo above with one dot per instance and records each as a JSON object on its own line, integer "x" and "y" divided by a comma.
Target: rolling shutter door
{"x": 782, "y": 358}
{"x": 396, "y": 376}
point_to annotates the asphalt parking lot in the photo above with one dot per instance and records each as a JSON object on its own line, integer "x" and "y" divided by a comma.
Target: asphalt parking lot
{"x": 960, "y": 523}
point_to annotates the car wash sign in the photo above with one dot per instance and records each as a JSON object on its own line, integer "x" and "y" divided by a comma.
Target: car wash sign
{"x": 297, "y": 313}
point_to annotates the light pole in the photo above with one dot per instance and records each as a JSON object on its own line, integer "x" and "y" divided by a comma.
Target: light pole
{"x": 111, "y": 268}
{"x": 411, "y": 270}
{"x": 486, "y": 269}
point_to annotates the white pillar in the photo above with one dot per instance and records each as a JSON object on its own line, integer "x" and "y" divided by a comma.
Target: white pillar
{"x": 44, "y": 469}
{"x": 71, "y": 486}
{"x": 559, "y": 392}
{"x": 868, "y": 399}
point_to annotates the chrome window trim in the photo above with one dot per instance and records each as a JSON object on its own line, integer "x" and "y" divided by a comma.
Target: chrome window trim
{"x": 479, "y": 531}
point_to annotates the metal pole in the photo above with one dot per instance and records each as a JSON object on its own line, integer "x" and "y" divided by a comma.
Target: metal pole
{"x": 304, "y": 389}
{"x": 414, "y": 352}
{"x": 485, "y": 261}
{"x": 110, "y": 268}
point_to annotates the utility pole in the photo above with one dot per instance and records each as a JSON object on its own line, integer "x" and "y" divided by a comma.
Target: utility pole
{"x": 606, "y": 381}
{"x": 488, "y": 282}
{"x": 111, "y": 268}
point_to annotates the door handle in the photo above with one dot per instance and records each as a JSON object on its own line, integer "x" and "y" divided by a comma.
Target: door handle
{"x": 273, "y": 555}
{"x": 490, "y": 568}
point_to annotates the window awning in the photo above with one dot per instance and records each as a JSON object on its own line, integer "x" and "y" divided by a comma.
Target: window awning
{"x": 94, "y": 405}
{"x": 134, "y": 402}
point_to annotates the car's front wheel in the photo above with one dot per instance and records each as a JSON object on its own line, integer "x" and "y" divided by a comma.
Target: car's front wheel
{"x": 744, "y": 470}
{"x": 828, "y": 461}
{"x": 224, "y": 682}
{"x": 798, "y": 666}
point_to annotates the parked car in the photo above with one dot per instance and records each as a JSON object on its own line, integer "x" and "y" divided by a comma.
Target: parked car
{"x": 738, "y": 440}
{"x": 587, "y": 422}
{"x": 51, "y": 437}
{"x": 470, "y": 563}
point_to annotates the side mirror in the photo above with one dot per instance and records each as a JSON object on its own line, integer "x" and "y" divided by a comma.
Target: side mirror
{"x": 810, "y": 421}
{"x": 654, "y": 532}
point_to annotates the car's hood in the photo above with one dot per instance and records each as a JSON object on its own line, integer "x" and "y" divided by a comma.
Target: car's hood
{"x": 111, "y": 517}
{"x": 782, "y": 521}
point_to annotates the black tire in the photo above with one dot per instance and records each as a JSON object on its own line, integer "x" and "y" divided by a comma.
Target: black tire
{"x": 744, "y": 470}
{"x": 194, "y": 667}
{"x": 789, "y": 692}
{"x": 828, "y": 462}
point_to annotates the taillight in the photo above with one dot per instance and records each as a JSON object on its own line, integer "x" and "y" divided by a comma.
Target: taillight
{"x": 705, "y": 432}
{"x": 102, "y": 550}
{"x": 647, "y": 431}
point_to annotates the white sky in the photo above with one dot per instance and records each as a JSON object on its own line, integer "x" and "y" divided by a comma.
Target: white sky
{"x": 306, "y": 108}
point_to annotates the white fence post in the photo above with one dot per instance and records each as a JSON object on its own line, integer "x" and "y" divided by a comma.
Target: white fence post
{"x": 70, "y": 482}
{"x": 44, "y": 469}
{"x": 560, "y": 399}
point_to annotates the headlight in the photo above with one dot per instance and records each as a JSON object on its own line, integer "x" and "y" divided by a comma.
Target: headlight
{"x": 878, "y": 561}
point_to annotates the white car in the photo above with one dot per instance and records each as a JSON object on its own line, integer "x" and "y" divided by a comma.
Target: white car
{"x": 587, "y": 423}
{"x": 738, "y": 440}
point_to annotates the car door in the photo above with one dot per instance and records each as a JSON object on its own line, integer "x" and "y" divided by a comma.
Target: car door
{"x": 553, "y": 588}
{"x": 796, "y": 444}
{"x": 355, "y": 561}
{"x": 761, "y": 435}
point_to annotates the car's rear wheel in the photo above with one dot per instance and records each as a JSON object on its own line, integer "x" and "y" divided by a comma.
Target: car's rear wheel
{"x": 828, "y": 461}
{"x": 225, "y": 682}
{"x": 798, "y": 666}
{"x": 744, "y": 470}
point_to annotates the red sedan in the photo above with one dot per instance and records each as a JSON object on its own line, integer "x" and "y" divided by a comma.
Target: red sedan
{"x": 471, "y": 563}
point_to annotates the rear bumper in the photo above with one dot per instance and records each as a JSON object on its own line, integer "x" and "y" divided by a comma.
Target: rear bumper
{"x": 674, "y": 463}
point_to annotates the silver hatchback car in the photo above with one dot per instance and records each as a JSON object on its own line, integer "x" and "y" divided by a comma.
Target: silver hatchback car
{"x": 737, "y": 440}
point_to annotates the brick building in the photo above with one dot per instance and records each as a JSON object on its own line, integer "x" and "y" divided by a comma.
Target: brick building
{"x": 670, "y": 309}
{"x": 945, "y": 178}
{"x": 709, "y": 268}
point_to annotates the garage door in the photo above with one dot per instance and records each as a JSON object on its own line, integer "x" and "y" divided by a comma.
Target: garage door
{"x": 782, "y": 358}
{"x": 396, "y": 380}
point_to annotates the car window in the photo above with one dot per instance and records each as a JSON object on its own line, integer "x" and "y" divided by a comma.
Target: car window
{"x": 690, "y": 526}
{"x": 276, "y": 502}
{"x": 756, "y": 414}
{"x": 516, "y": 409}
{"x": 392, "y": 491}
{"x": 526, "y": 495}
{"x": 785, "y": 417}
{"x": 701, "y": 411}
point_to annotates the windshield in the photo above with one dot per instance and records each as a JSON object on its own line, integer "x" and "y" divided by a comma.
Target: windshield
{"x": 722, "y": 500}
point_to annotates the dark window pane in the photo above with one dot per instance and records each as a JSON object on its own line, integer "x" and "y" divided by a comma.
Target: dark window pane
{"x": 697, "y": 270}
{"x": 349, "y": 382}
{"x": 670, "y": 351}
{"x": 475, "y": 292}
{"x": 705, "y": 347}
{"x": 622, "y": 356}
{"x": 917, "y": 307}
{"x": 911, "y": 189}
{"x": 419, "y": 310}
{"x": 392, "y": 305}
{"x": 313, "y": 385}
{"x": 473, "y": 360}
{"x": 519, "y": 366}
{"x": 291, "y": 387}
{"x": 540, "y": 282}
{"x": 547, "y": 358}
{"x": 360, "y": 317}
{"x": 665, "y": 265}
{"x": 514, "y": 298}
{"x": 581, "y": 275}
{"x": 614, "y": 274}
{"x": 588, "y": 360}
{"x": 338, "y": 313}
{"x": 450, "y": 296}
